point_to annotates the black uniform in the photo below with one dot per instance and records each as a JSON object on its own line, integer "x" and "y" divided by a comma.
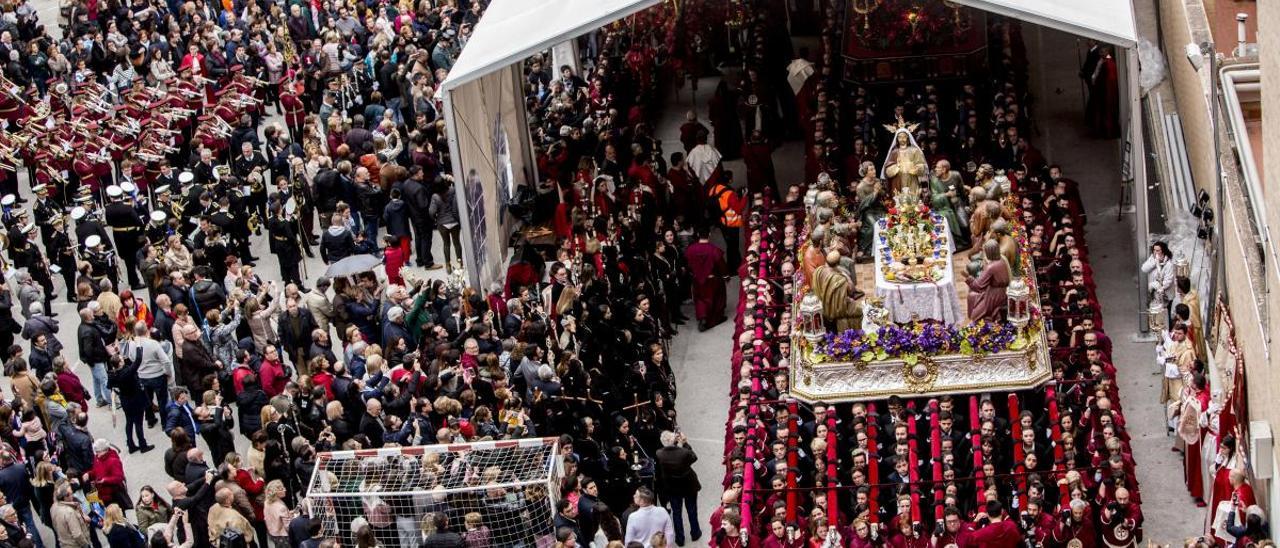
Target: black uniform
{"x": 89, "y": 226}
{"x": 127, "y": 227}
{"x": 242, "y": 167}
{"x": 45, "y": 211}
{"x": 62, "y": 253}
{"x": 157, "y": 234}
{"x": 236, "y": 229}
{"x": 286, "y": 245}
{"x": 102, "y": 264}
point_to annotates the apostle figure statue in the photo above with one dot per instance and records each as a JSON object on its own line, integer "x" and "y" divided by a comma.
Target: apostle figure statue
{"x": 814, "y": 254}
{"x": 869, "y": 194}
{"x": 834, "y": 286}
{"x": 947, "y": 198}
{"x": 904, "y": 166}
{"x": 987, "y": 298}
{"x": 1002, "y": 233}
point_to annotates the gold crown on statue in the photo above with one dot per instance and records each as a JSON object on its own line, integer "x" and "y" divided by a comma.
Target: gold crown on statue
{"x": 901, "y": 125}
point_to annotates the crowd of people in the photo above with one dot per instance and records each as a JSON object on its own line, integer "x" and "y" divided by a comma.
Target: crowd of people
{"x": 233, "y": 383}
{"x": 1045, "y": 467}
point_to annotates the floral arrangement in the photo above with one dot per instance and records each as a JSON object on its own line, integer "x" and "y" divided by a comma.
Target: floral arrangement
{"x": 909, "y": 342}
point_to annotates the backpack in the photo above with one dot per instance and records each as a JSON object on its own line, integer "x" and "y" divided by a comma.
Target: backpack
{"x": 231, "y": 538}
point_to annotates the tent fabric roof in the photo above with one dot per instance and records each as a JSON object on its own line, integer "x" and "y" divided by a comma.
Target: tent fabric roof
{"x": 1109, "y": 21}
{"x": 512, "y": 30}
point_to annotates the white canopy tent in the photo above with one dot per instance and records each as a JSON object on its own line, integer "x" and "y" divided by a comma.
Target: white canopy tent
{"x": 484, "y": 101}
{"x": 483, "y": 97}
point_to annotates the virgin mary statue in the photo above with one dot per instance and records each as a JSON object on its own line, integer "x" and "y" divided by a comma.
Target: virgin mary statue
{"x": 904, "y": 166}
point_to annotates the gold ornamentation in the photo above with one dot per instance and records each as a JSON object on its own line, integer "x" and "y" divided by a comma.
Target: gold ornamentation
{"x": 920, "y": 375}
{"x": 865, "y": 8}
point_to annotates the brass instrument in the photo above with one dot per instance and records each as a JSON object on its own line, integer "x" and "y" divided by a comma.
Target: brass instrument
{"x": 156, "y": 93}
{"x": 188, "y": 93}
{"x": 127, "y": 126}
{"x": 202, "y": 80}
{"x": 96, "y": 104}
{"x": 177, "y": 208}
{"x": 254, "y": 223}
{"x": 100, "y": 157}
{"x": 222, "y": 127}
{"x": 12, "y": 89}
{"x": 255, "y": 82}
{"x": 147, "y": 156}
{"x": 287, "y": 49}
{"x": 243, "y": 100}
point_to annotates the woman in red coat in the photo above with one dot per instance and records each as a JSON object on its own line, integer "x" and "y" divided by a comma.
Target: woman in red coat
{"x": 107, "y": 475}
{"x": 394, "y": 257}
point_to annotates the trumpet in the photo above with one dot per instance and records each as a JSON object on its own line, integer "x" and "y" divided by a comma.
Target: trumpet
{"x": 202, "y": 80}
{"x": 186, "y": 92}
{"x": 100, "y": 157}
{"x": 92, "y": 89}
{"x": 218, "y": 130}
{"x": 162, "y": 146}
{"x": 255, "y": 82}
{"x": 56, "y": 176}
{"x": 128, "y": 127}
{"x": 156, "y": 93}
{"x": 96, "y": 104}
{"x": 242, "y": 100}
{"x": 147, "y": 156}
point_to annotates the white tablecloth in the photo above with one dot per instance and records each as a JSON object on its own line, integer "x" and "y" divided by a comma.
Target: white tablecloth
{"x": 925, "y": 300}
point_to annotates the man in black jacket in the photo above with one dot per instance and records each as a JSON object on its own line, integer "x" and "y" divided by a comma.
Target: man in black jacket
{"x": 370, "y": 201}
{"x": 418, "y": 198}
{"x": 93, "y": 351}
{"x": 123, "y": 378}
{"x": 295, "y": 327}
{"x": 328, "y": 190}
{"x": 371, "y": 424}
{"x": 443, "y": 537}
{"x": 206, "y": 293}
{"x": 77, "y": 445}
{"x": 678, "y": 482}
{"x": 337, "y": 243}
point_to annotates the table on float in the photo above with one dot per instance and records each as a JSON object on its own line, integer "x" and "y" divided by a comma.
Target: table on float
{"x": 936, "y": 300}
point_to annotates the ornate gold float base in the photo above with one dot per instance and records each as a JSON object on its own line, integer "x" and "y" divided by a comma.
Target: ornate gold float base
{"x": 835, "y": 382}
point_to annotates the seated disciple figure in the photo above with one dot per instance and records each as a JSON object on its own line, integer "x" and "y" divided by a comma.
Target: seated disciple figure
{"x": 834, "y": 286}
{"x": 987, "y": 299}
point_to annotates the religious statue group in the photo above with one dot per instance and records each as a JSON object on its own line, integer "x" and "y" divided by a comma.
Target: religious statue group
{"x": 842, "y": 229}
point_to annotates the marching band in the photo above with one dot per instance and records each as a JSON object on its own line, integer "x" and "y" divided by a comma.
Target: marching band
{"x": 101, "y": 166}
